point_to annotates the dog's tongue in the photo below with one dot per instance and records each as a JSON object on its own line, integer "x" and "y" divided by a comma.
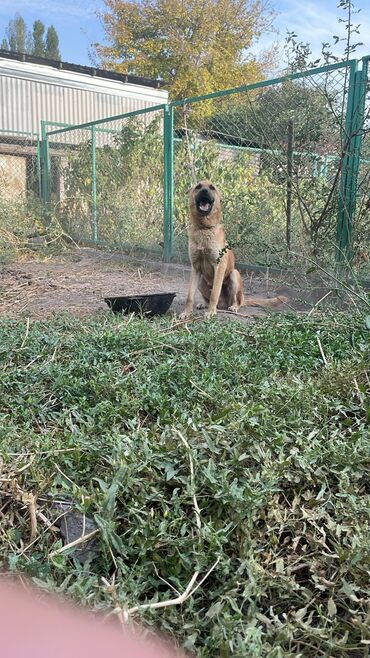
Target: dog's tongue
{"x": 204, "y": 206}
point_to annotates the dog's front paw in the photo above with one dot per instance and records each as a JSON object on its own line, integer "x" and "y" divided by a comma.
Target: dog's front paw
{"x": 185, "y": 315}
{"x": 210, "y": 313}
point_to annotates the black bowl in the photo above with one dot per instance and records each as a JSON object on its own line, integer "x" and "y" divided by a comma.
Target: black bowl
{"x": 157, "y": 304}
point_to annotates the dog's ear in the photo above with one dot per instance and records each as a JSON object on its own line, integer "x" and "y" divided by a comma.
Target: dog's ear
{"x": 195, "y": 186}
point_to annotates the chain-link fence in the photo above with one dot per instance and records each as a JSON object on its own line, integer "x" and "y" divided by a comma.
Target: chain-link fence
{"x": 285, "y": 154}
{"x": 361, "y": 224}
{"x": 105, "y": 180}
{"x": 19, "y": 184}
{"x": 274, "y": 149}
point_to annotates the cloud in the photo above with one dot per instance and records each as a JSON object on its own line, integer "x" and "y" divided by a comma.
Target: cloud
{"x": 315, "y": 22}
{"x": 54, "y": 9}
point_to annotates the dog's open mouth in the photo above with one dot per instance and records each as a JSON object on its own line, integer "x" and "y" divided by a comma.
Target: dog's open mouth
{"x": 204, "y": 202}
{"x": 205, "y": 206}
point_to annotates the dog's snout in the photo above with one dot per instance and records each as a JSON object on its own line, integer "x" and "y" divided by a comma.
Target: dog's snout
{"x": 205, "y": 193}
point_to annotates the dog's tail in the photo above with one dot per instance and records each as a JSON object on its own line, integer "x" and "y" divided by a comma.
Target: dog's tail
{"x": 266, "y": 302}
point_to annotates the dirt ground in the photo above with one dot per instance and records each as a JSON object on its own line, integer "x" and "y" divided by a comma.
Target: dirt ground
{"x": 77, "y": 282}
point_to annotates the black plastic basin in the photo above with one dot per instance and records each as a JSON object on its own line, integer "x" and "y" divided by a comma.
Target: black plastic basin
{"x": 157, "y": 304}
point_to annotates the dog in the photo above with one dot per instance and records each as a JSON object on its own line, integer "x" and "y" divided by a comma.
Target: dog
{"x": 213, "y": 269}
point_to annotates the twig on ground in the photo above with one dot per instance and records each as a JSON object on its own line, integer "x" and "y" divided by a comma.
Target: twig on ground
{"x": 152, "y": 347}
{"x": 39, "y": 454}
{"x": 111, "y": 589}
{"x": 240, "y": 315}
{"x": 206, "y": 395}
{"x": 178, "y": 323}
{"x": 76, "y": 542}
{"x": 214, "y": 565}
{"x": 360, "y": 395}
{"x": 26, "y": 466}
{"x": 321, "y": 350}
{"x": 27, "y": 498}
{"x": 179, "y": 600}
{"x": 192, "y": 479}
{"x": 65, "y": 476}
{"x": 166, "y": 582}
{"x": 33, "y": 517}
{"x": 26, "y": 334}
{"x": 319, "y": 302}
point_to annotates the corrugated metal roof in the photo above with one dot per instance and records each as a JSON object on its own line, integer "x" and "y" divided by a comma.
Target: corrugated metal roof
{"x": 30, "y": 92}
{"x": 79, "y": 68}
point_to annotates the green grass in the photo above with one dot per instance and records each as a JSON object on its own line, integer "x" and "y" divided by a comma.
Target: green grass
{"x": 281, "y": 452}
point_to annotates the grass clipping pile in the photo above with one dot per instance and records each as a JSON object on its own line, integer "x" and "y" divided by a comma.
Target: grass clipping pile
{"x": 223, "y": 466}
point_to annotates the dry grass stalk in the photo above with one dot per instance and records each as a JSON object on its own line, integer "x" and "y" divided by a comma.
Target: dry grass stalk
{"x": 74, "y": 543}
{"x": 321, "y": 351}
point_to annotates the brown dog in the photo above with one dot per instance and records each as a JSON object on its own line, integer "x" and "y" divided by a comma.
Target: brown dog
{"x": 212, "y": 264}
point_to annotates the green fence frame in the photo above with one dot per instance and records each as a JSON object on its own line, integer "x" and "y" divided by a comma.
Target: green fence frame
{"x": 96, "y": 126}
{"x": 45, "y": 166}
{"x": 355, "y": 116}
{"x": 351, "y": 154}
{"x": 168, "y": 184}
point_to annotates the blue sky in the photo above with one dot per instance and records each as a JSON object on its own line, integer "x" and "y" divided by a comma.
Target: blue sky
{"x": 78, "y": 26}
{"x": 315, "y": 22}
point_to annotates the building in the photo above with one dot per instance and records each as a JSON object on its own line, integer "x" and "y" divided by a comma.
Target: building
{"x": 34, "y": 89}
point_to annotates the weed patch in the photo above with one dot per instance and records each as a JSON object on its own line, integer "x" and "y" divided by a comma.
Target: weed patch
{"x": 90, "y": 411}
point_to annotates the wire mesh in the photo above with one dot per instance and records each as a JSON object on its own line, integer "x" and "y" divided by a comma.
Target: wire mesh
{"x": 240, "y": 142}
{"x": 282, "y": 153}
{"x": 107, "y": 181}
{"x": 19, "y": 184}
{"x": 361, "y": 234}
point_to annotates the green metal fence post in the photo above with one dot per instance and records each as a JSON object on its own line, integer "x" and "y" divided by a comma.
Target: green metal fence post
{"x": 168, "y": 183}
{"x": 45, "y": 169}
{"x": 38, "y": 167}
{"x": 93, "y": 185}
{"x": 355, "y": 117}
{"x": 289, "y": 184}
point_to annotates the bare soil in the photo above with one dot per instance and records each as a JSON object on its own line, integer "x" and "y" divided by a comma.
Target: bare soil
{"x": 78, "y": 280}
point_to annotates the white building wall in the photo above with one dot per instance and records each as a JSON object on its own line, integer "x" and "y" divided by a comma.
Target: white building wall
{"x": 32, "y": 92}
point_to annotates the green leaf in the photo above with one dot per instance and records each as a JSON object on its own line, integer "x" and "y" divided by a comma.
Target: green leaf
{"x": 59, "y": 561}
{"x": 349, "y": 589}
{"x": 279, "y": 565}
{"x": 215, "y": 609}
{"x": 332, "y": 608}
{"x": 110, "y": 499}
{"x": 300, "y": 613}
{"x": 170, "y": 470}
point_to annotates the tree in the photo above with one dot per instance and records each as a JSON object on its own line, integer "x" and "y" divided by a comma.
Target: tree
{"x": 38, "y": 45}
{"x": 196, "y": 46}
{"x": 52, "y": 44}
{"x": 261, "y": 120}
{"x": 19, "y": 39}
{"x": 18, "y": 36}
